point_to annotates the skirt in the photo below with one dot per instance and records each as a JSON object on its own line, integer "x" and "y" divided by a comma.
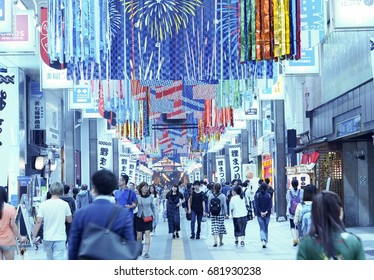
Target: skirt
{"x": 218, "y": 224}
{"x": 141, "y": 226}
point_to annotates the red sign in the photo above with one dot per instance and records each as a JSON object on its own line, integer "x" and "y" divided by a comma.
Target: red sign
{"x": 44, "y": 35}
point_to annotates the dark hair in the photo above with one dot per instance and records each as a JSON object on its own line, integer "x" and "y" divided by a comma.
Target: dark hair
{"x": 217, "y": 188}
{"x": 267, "y": 181}
{"x": 154, "y": 190}
{"x": 238, "y": 190}
{"x": 326, "y": 220}
{"x": 125, "y": 178}
{"x": 196, "y": 183}
{"x": 66, "y": 189}
{"x": 260, "y": 181}
{"x": 244, "y": 184}
{"x": 263, "y": 187}
{"x": 309, "y": 191}
{"x": 140, "y": 186}
{"x": 3, "y": 199}
{"x": 84, "y": 187}
{"x": 104, "y": 182}
{"x": 75, "y": 192}
{"x": 175, "y": 186}
{"x": 294, "y": 183}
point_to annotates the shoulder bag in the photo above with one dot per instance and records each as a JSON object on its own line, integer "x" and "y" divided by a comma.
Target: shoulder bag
{"x": 101, "y": 243}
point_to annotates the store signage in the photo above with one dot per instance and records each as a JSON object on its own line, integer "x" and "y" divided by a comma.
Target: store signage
{"x": 235, "y": 161}
{"x": 104, "y": 154}
{"x": 221, "y": 169}
{"x": 348, "y": 127}
{"x": 372, "y": 53}
{"x": 23, "y": 38}
{"x": 123, "y": 164}
{"x": 55, "y": 79}
{"x": 308, "y": 64}
{"x": 6, "y": 16}
{"x": 8, "y": 106}
{"x": 80, "y": 98}
{"x": 353, "y": 14}
{"x": 37, "y": 118}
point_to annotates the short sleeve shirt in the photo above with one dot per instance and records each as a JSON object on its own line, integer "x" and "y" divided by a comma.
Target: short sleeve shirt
{"x": 7, "y": 237}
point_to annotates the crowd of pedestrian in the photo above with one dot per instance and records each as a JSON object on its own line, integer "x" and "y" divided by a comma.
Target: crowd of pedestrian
{"x": 315, "y": 218}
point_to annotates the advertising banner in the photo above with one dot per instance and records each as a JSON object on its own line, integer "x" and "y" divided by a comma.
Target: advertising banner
{"x": 353, "y": 14}
{"x": 221, "y": 169}
{"x": 132, "y": 172}
{"x": 80, "y": 98}
{"x": 9, "y": 119}
{"x": 23, "y": 38}
{"x": 235, "y": 159}
{"x": 123, "y": 164}
{"x": 52, "y": 121}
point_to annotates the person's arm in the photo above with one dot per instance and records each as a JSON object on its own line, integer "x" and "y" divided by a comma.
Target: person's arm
{"x": 68, "y": 215}
{"x": 37, "y": 226}
{"x": 296, "y": 218}
{"x": 16, "y": 232}
{"x": 190, "y": 203}
{"x": 181, "y": 199}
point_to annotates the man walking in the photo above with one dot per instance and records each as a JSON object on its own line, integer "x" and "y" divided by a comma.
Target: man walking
{"x": 54, "y": 212}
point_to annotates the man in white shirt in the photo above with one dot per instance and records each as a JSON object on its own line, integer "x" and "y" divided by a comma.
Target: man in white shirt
{"x": 54, "y": 212}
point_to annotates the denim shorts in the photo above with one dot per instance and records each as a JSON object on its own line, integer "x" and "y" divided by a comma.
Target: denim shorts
{"x": 7, "y": 248}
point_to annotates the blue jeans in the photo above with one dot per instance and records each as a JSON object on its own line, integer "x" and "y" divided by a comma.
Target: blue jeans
{"x": 263, "y": 222}
{"x": 195, "y": 217}
{"x": 55, "y": 250}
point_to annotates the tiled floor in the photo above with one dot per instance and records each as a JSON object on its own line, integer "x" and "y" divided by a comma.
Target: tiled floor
{"x": 164, "y": 247}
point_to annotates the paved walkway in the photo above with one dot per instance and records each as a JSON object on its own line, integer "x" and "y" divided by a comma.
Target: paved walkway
{"x": 163, "y": 247}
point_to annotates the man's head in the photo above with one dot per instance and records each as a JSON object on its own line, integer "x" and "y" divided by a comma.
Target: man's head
{"x": 84, "y": 187}
{"x": 104, "y": 182}
{"x": 66, "y": 189}
{"x": 56, "y": 188}
{"x": 123, "y": 180}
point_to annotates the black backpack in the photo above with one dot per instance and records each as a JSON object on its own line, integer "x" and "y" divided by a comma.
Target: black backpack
{"x": 215, "y": 205}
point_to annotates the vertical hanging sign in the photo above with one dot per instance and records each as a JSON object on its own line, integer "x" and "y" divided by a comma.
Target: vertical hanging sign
{"x": 8, "y": 113}
{"x": 104, "y": 155}
{"x": 372, "y": 52}
{"x": 132, "y": 171}
{"x": 123, "y": 162}
{"x": 235, "y": 161}
{"x": 221, "y": 169}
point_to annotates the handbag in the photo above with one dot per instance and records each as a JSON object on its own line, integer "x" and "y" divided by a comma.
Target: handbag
{"x": 147, "y": 219}
{"x": 101, "y": 243}
{"x": 249, "y": 209}
{"x": 188, "y": 216}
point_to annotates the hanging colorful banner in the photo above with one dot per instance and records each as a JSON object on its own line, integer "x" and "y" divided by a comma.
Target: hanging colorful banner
{"x": 221, "y": 169}
{"x": 235, "y": 159}
{"x": 104, "y": 154}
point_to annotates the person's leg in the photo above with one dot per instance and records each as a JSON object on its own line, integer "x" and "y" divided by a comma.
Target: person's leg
{"x": 193, "y": 221}
{"x": 47, "y": 245}
{"x": 267, "y": 220}
{"x": 147, "y": 242}
{"x": 294, "y": 233}
{"x": 7, "y": 252}
{"x": 261, "y": 223}
{"x": 199, "y": 219}
{"x": 236, "y": 230}
{"x": 58, "y": 250}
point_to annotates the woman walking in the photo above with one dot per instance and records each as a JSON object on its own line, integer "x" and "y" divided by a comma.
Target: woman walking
{"x": 156, "y": 202}
{"x": 328, "y": 239}
{"x": 174, "y": 199}
{"x": 238, "y": 211}
{"x": 218, "y": 221}
{"x": 294, "y": 196}
{"x": 263, "y": 211}
{"x": 146, "y": 209}
{"x": 8, "y": 228}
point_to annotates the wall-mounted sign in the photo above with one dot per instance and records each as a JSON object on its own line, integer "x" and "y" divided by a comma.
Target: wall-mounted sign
{"x": 235, "y": 159}
{"x": 104, "y": 154}
{"x": 353, "y": 14}
{"x": 37, "y": 111}
{"x": 308, "y": 64}
{"x": 221, "y": 169}
{"x": 80, "y": 98}
{"x": 348, "y": 127}
{"x": 6, "y": 16}
{"x": 55, "y": 79}
{"x": 23, "y": 38}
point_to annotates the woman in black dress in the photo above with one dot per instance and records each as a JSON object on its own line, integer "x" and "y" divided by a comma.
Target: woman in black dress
{"x": 174, "y": 200}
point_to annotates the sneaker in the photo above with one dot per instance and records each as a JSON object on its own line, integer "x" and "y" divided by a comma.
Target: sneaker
{"x": 177, "y": 234}
{"x": 152, "y": 233}
{"x": 295, "y": 242}
{"x": 146, "y": 256}
{"x": 263, "y": 244}
{"x": 192, "y": 237}
{"x": 242, "y": 243}
{"x": 197, "y": 236}
{"x": 173, "y": 236}
{"x": 236, "y": 242}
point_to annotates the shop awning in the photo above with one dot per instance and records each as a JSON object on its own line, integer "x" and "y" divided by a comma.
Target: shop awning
{"x": 310, "y": 159}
